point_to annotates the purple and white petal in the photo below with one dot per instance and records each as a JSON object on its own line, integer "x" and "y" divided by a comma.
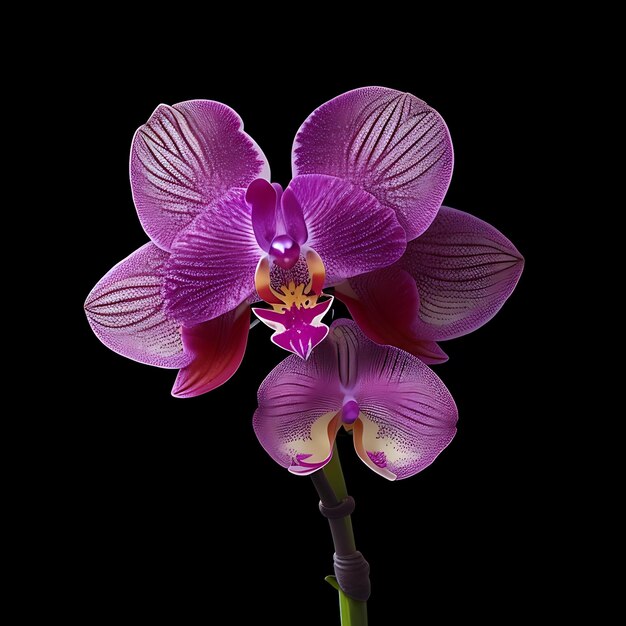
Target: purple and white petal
{"x": 127, "y": 313}
{"x": 389, "y": 143}
{"x": 407, "y": 416}
{"x": 349, "y": 229}
{"x": 296, "y": 421}
{"x": 465, "y": 269}
{"x": 185, "y": 158}
{"x": 212, "y": 265}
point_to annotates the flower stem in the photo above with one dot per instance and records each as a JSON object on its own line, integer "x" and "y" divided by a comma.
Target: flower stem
{"x": 351, "y": 569}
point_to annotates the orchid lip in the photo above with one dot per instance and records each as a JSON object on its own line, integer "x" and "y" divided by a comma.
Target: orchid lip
{"x": 293, "y": 288}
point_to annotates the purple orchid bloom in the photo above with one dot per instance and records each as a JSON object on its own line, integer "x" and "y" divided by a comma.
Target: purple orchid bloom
{"x": 401, "y": 414}
{"x": 457, "y": 270}
{"x": 224, "y": 237}
{"x": 370, "y": 167}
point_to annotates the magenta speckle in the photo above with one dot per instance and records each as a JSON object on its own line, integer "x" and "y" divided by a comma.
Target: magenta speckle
{"x": 378, "y": 458}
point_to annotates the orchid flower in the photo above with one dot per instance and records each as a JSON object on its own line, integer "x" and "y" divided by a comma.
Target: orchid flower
{"x": 457, "y": 270}
{"x": 401, "y": 414}
{"x": 363, "y": 217}
{"x": 366, "y": 180}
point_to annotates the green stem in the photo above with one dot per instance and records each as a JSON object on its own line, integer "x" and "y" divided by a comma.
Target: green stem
{"x": 334, "y": 474}
{"x": 331, "y": 487}
{"x": 352, "y": 612}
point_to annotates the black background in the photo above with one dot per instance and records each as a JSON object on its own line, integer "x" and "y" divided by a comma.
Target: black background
{"x": 178, "y": 510}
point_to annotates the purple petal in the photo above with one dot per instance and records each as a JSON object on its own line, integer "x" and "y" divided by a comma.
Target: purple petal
{"x": 261, "y": 197}
{"x": 385, "y": 304}
{"x": 389, "y": 143}
{"x": 126, "y": 311}
{"x": 299, "y": 329}
{"x": 293, "y": 217}
{"x": 301, "y": 342}
{"x": 217, "y": 348}
{"x": 296, "y": 420}
{"x": 465, "y": 270}
{"x": 211, "y": 269}
{"x": 349, "y": 229}
{"x": 407, "y": 416}
{"x": 185, "y": 158}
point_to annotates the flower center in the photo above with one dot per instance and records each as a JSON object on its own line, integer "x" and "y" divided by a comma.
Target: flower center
{"x": 290, "y": 275}
{"x": 284, "y": 251}
{"x": 350, "y": 412}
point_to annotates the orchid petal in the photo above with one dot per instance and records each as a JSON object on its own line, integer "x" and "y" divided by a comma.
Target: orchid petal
{"x": 184, "y": 159}
{"x": 211, "y": 269}
{"x": 389, "y": 143}
{"x": 349, "y": 229}
{"x": 261, "y": 197}
{"x": 385, "y": 305}
{"x": 127, "y": 313}
{"x": 407, "y": 416}
{"x": 465, "y": 270}
{"x": 217, "y": 348}
{"x": 296, "y": 421}
{"x": 315, "y": 452}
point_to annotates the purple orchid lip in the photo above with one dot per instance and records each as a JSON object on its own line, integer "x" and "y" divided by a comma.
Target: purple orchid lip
{"x": 297, "y": 329}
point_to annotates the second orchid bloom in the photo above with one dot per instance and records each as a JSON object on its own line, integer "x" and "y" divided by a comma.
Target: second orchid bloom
{"x": 400, "y": 413}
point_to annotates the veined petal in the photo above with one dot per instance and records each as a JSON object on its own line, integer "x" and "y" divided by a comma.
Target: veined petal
{"x": 464, "y": 269}
{"x": 385, "y": 305}
{"x": 296, "y": 421}
{"x": 185, "y": 158}
{"x": 127, "y": 313}
{"x": 349, "y": 229}
{"x": 389, "y": 143}
{"x": 217, "y": 348}
{"x": 407, "y": 416}
{"x": 211, "y": 269}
